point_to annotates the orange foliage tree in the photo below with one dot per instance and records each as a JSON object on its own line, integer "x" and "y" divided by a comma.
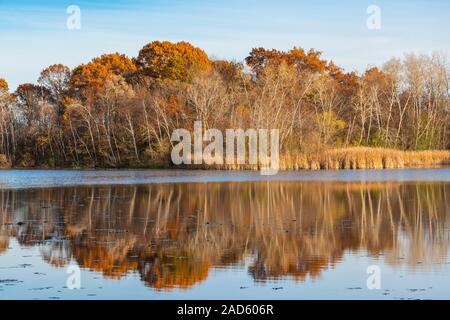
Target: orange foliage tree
{"x": 174, "y": 61}
{"x": 93, "y": 75}
{"x": 3, "y": 85}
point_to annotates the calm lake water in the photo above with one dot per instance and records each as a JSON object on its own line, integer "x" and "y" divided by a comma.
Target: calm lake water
{"x": 155, "y": 234}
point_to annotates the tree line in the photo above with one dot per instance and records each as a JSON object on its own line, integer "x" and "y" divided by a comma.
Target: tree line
{"x": 116, "y": 111}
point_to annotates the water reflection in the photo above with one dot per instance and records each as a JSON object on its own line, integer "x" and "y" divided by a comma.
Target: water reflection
{"x": 173, "y": 234}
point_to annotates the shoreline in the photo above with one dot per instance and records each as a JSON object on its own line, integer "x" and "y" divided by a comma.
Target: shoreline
{"x": 193, "y": 169}
{"x": 47, "y": 179}
{"x": 352, "y": 158}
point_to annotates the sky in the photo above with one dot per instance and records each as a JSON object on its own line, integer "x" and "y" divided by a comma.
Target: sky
{"x": 34, "y": 34}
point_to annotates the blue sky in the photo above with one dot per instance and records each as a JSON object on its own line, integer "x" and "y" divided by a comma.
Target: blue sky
{"x": 33, "y": 34}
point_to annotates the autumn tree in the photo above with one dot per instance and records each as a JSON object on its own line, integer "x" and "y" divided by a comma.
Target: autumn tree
{"x": 7, "y": 136}
{"x": 174, "y": 61}
{"x": 29, "y": 100}
{"x": 55, "y": 79}
{"x": 209, "y": 98}
{"x": 36, "y": 117}
{"x": 118, "y": 64}
{"x": 259, "y": 58}
{"x": 3, "y": 85}
{"x": 230, "y": 71}
{"x": 90, "y": 77}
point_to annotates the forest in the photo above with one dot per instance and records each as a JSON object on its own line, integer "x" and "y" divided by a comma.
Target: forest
{"x": 119, "y": 112}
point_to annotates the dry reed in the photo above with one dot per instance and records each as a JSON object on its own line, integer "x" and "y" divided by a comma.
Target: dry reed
{"x": 357, "y": 158}
{"x": 365, "y": 158}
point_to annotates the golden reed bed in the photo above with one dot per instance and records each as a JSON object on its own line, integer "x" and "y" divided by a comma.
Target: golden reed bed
{"x": 360, "y": 158}
{"x": 366, "y": 158}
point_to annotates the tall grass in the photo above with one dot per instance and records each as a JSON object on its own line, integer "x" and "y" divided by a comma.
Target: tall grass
{"x": 356, "y": 158}
{"x": 365, "y": 158}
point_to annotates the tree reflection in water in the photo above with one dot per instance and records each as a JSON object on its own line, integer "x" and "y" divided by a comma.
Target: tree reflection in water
{"x": 173, "y": 234}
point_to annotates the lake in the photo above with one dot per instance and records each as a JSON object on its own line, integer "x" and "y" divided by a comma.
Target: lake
{"x": 173, "y": 234}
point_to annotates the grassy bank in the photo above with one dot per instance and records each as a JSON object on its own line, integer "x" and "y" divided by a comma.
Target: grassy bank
{"x": 331, "y": 159}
